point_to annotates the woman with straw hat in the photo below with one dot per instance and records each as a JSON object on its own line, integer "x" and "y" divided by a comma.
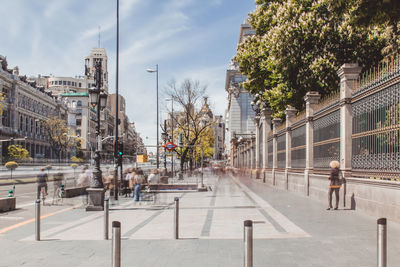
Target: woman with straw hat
{"x": 334, "y": 185}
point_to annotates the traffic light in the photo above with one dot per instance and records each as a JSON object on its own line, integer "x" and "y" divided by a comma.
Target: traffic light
{"x": 120, "y": 149}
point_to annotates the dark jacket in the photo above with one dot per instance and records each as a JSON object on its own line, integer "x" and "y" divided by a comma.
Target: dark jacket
{"x": 42, "y": 178}
{"x": 334, "y": 177}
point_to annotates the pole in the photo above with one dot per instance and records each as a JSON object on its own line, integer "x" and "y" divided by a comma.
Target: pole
{"x": 381, "y": 243}
{"x": 176, "y": 218}
{"x": 116, "y": 113}
{"x": 37, "y": 220}
{"x": 172, "y": 137}
{"x": 97, "y": 182}
{"x": 106, "y": 218}
{"x": 202, "y": 156}
{"x": 248, "y": 243}
{"x": 158, "y": 162}
{"x": 116, "y": 244}
{"x": 165, "y": 141}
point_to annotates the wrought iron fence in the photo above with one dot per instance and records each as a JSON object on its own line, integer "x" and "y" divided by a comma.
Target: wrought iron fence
{"x": 326, "y": 139}
{"x": 270, "y": 145}
{"x": 281, "y": 141}
{"x": 298, "y": 147}
{"x": 376, "y": 131}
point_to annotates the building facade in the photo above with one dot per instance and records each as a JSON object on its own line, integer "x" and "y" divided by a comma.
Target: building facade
{"x": 25, "y": 108}
{"x": 239, "y": 115}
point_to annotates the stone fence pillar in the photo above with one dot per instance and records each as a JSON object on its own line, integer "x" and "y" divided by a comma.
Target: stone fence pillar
{"x": 257, "y": 142}
{"x": 290, "y": 114}
{"x": 348, "y": 74}
{"x": 311, "y": 99}
{"x": 266, "y": 124}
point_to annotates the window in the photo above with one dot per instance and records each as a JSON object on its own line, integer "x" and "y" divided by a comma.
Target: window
{"x": 31, "y": 126}
{"x": 78, "y": 122}
{"x": 78, "y": 132}
{"x": 64, "y": 83}
{"x": 69, "y": 82}
{"x": 80, "y": 84}
{"x": 5, "y": 119}
{"x": 21, "y": 124}
{"x": 26, "y": 124}
{"x": 79, "y": 104}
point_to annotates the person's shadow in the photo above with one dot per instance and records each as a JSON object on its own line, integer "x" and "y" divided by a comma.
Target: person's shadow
{"x": 352, "y": 202}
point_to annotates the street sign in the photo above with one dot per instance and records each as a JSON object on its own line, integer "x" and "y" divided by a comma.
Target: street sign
{"x": 169, "y": 146}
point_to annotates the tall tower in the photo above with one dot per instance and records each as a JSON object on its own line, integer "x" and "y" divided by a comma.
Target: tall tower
{"x": 95, "y": 55}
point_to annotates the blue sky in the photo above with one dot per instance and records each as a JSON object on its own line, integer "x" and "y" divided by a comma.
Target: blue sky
{"x": 187, "y": 38}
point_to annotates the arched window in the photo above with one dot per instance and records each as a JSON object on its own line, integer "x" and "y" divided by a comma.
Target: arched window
{"x": 79, "y": 104}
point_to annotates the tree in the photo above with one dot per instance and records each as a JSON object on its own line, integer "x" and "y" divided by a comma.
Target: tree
{"x": 384, "y": 14}
{"x": 17, "y": 152}
{"x": 299, "y": 45}
{"x": 191, "y": 122}
{"x": 2, "y": 97}
{"x": 57, "y": 131}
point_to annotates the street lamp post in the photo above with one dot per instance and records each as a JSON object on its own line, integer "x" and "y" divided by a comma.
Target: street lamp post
{"x": 99, "y": 100}
{"x": 156, "y": 71}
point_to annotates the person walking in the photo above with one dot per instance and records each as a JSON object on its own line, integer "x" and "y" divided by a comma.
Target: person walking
{"x": 334, "y": 185}
{"x": 127, "y": 178}
{"x": 139, "y": 181}
{"x": 42, "y": 179}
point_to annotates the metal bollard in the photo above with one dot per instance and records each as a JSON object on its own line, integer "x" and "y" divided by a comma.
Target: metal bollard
{"x": 106, "y": 217}
{"x": 176, "y": 218}
{"x": 37, "y": 220}
{"x": 381, "y": 243}
{"x": 116, "y": 244}
{"x": 202, "y": 184}
{"x": 248, "y": 243}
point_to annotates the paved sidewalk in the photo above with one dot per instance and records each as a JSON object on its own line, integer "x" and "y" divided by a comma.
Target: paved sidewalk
{"x": 289, "y": 230}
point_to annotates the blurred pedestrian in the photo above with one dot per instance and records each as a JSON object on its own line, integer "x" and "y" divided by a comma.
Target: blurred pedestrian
{"x": 127, "y": 178}
{"x": 139, "y": 182}
{"x": 334, "y": 185}
{"x": 42, "y": 179}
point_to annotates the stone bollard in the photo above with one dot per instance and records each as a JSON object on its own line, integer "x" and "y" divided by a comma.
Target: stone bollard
{"x": 381, "y": 243}
{"x": 37, "y": 220}
{"x": 176, "y": 218}
{"x": 106, "y": 217}
{"x": 116, "y": 244}
{"x": 248, "y": 243}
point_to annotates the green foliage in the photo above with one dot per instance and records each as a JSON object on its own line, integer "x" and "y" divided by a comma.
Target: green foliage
{"x": 298, "y": 47}
{"x": 2, "y": 97}
{"x": 12, "y": 165}
{"x": 76, "y": 159}
{"x": 17, "y": 152}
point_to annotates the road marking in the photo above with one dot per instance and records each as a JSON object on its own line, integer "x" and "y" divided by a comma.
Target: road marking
{"x": 12, "y": 227}
{"x": 282, "y": 220}
{"x": 10, "y": 218}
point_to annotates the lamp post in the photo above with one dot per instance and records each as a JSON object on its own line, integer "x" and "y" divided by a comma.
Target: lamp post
{"x": 156, "y": 71}
{"x": 99, "y": 100}
{"x": 172, "y": 132}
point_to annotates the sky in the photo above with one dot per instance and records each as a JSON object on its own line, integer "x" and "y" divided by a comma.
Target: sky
{"x": 192, "y": 39}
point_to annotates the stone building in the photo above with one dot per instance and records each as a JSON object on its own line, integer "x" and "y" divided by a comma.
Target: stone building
{"x": 239, "y": 115}
{"x": 25, "y": 107}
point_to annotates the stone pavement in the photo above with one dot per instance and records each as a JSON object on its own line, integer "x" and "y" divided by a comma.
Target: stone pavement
{"x": 289, "y": 230}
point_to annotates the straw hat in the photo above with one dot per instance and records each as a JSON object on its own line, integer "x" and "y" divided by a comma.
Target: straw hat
{"x": 334, "y": 164}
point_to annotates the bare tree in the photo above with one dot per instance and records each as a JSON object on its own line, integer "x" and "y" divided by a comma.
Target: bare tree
{"x": 191, "y": 122}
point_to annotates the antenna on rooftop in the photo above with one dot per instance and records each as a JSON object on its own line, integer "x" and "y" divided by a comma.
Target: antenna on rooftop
{"x": 99, "y": 37}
